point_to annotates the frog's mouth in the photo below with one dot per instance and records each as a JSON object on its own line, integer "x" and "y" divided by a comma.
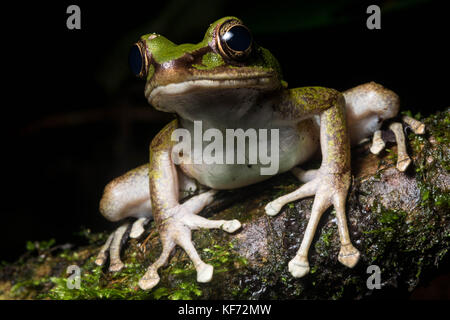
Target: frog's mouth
{"x": 211, "y": 84}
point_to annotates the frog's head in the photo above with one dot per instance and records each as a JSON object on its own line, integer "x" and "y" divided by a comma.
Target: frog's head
{"x": 226, "y": 58}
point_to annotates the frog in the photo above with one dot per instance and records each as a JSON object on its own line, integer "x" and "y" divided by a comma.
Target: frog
{"x": 229, "y": 81}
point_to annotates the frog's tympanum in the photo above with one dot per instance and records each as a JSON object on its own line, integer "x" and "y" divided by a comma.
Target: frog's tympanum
{"x": 227, "y": 81}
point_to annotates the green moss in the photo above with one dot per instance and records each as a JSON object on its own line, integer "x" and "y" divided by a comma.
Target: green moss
{"x": 40, "y": 246}
{"x": 392, "y": 156}
{"x": 96, "y": 285}
{"x": 327, "y": 236}
{"x": 178, "y": 281}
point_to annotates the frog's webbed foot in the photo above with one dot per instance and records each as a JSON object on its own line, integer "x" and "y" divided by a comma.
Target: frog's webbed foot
{"x": 329, "y": 189}
{"x": 378, "y": 144}
{"x": 176, "y": 230}
{"x": 115, "y": 241}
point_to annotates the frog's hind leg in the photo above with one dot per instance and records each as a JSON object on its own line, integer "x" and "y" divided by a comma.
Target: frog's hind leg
{"x": 115, "y": 241}
{"x": 367, "y": 107}
{"x": 129, "y": 196}
{"x": 125, "y": 196}
{"x": 304, "y": 176}
{"x": 403, "y": 159}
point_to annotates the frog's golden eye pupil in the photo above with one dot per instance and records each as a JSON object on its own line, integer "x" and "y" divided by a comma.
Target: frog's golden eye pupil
{"x": 238, "y": 38}
{"x": 137, "y": 60}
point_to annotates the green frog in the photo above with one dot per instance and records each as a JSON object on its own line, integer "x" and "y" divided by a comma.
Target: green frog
{"x": 227, "y": 81}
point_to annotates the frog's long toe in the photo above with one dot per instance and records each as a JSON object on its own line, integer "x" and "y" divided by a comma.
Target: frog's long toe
{"x": 112, "y": 246}
{"x": 114, "y": 251}
{"x": 272, "y": 208}
{"x": 137, "y": 228}
{"x": 151, "y": 277}
{"x": 149, "y": 280}
{"x": 298, "y": 267}
{"x": 377, "y": 143}
{"x": 231, "y": 226}
{"x": 403, "y": 159}
{"x": 204, "y": 273}
{"x": 306, "y": 190}
{"x": 415, "y": 125}
{"x": 176, "y": 230}
{"x": 349, "y": 255}
{"x": 103, "y": 254}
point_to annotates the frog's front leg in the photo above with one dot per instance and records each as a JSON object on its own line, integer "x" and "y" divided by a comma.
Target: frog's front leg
{"x": 175, "y": 221}
{"x": 331, "y": 181}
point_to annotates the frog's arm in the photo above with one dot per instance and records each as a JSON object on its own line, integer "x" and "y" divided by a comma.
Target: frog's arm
{"x": 331, "y": 182}
{"x": 162, "y": 173}
{"x": 175, "y": 221}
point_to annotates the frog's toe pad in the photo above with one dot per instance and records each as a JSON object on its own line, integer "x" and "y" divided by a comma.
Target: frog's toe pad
{"x": 100, "y": 260}
{"x": 231, "y": 226}
{"x": 136, "y": 231}
{"x": 149, "y": 280}
{"x": 138, "y": 228}
{"x": 377, "y": 147}
{"x": 116, "y": 266}
{"x": 403, "y": 164}
{"x": 298, "y": 269}
{"x": 272, "y": 208}
{"x": 205, "y": 273}
{"x": 349, "y": 256}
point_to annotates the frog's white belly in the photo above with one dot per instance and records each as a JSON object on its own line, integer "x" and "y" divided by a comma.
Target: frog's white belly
{"x": 297, "y": 143}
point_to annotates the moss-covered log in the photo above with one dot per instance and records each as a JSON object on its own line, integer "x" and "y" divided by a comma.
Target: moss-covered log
{"x": 399, "y": 222}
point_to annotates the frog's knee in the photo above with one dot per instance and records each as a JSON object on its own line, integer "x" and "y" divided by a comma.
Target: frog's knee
{"x": 117, "y": 204}
{"x": 127, "y": 196}
{"x": 367, "y": 106}
{"x": 372, "y": 98}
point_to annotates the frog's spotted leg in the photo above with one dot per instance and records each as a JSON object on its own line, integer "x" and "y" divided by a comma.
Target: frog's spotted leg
{"x": 175, "y": 221}
{"x": 330, "y": 183}
{"x": 129, "y": 196}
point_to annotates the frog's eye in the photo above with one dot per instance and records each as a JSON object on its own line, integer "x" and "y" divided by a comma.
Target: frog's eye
{"x": 137, "y": 60}
{"x": 234, "y": 40}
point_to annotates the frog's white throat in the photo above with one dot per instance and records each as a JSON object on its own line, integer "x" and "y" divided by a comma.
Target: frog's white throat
{"x": 163, "y": 97}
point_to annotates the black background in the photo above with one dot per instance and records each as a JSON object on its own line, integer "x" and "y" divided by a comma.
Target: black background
{"x": 74, "y": 117}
